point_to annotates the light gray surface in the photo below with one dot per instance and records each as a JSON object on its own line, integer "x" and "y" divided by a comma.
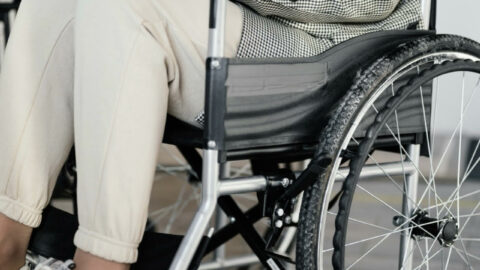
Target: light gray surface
{"x": 460, "y": 17}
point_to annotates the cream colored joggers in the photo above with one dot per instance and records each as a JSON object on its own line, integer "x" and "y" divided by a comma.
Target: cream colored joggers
{"x": 104, "y": 72}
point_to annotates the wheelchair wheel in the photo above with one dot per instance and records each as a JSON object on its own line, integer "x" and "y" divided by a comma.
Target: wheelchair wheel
{"x": 401, "y": 192}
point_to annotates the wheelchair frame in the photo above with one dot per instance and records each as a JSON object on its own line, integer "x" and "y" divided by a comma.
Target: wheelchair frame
{"x": 215, "y": 185}
{"x": 214, "y": 176}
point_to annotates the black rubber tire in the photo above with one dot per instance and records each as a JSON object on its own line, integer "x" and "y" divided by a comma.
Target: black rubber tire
{"x": 358, "y": 161}
{"x": 334, "y": 134}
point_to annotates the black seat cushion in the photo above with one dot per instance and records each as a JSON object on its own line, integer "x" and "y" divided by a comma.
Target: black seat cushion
{"x": 180, "y": 133}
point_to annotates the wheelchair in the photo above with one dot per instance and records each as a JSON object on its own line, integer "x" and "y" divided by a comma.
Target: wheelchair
{"x": 365, "y": 115}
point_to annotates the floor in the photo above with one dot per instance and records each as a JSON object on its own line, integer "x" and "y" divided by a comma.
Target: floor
{"x": 174, "y": 201}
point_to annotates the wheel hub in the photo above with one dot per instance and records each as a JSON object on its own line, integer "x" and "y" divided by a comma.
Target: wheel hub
{"x": 445, "y": 230}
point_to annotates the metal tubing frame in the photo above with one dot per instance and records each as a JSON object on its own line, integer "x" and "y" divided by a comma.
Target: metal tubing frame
{"x": 250, "y": 235}
{"x": 203, "y": 215}
{"x": 221, "y": 219}
{"x": 230, "y": 262}
{"x": 210, "y": 166}
{"x": 426, "y": 11}
{"x": 410, "y": 187}
{"x": 253, "y": 184}
{"x": 230, "y": 230}
{"x": 210, "y": 175}
{"x": 242, "y": 185}
{"x": 216, "y": 34}
{"x": 374, "y": 170}
{"x": 259, "y": 183}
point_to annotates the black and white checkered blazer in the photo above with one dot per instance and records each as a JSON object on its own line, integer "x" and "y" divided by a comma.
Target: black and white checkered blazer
{"x": 325, "y": 11}
{"x": 301, "y": 28}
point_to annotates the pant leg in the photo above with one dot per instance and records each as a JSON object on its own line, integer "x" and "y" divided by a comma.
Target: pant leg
{"x": 36, "y": 107}
{"x": 135, "y": 59}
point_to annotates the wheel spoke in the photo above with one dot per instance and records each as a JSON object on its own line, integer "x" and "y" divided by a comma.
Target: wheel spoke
{"x": 429, "y": 183}
{"x": 451, "y": 200}
{"x": 364, "y": 222}
{"x": 373, "y": 248}
{"x": 392, "y": 208}
{"x": 381, "y": 201}
{"x": 461, "y": 183}
{"x": 411, "y": 250}
{"x": 468, "y": 219}
{"x": 471, "y": 239}
{"x": 434, "y": 114}
{"x": 464, "y": 178}
{"x": 467, "y": 174}
{"x": 427, "y": 259}
{"x": 430, "y": 151}
{"x": 398, "y": 229}
{"x": 418, "y": 247}
{"x": 436, "y": 203}
{"x": 427, "y": 265}
{"x": 465, "y": 250}
{"x": 473, "y": 156}
{"x": 464, "y": 258}
{"x": 470, "y": 215}
{"x": 448, "y": 258}
{"x": 467, "y": 254}
{"x": 460, "y": 147}
{"x": 388, "y": 176}
{"x": 463, "y": 111}
{"x": 429, "y": 147}
{"x": 401, "y": 155}
{"x": 407, "y": 155}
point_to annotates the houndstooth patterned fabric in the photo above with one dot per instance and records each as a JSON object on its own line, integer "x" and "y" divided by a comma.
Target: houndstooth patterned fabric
{"x": 325, "y": 11}
{"x": 200, "y": 119}
{"x": 279, "y": 37}
{"x": 264, "y": 37}
{"x": 275, "y": 37}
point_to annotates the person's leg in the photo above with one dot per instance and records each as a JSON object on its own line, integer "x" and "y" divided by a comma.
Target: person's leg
{"x": 128, "y": 61}
{"x": 36, "y": 119}
{"x": 86, "y": 261}
{"x": 14, "y": 238}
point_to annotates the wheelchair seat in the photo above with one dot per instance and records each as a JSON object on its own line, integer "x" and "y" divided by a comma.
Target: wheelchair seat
{"x": 181, "y": 133}
{"x": 280, "y": 105}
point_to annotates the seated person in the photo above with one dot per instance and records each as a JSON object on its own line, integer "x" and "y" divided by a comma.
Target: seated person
{"x": 104, "y": 74}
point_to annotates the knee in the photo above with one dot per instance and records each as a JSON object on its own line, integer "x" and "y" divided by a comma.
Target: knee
{"x": 14, "y": 238}
{"x": 11, "y": 254}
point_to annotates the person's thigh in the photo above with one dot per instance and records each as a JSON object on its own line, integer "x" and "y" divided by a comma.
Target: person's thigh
{"x": 186, "y": 24}
{"x": 134, "y": 60}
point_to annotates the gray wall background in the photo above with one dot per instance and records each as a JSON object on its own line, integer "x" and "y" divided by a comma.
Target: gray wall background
{"x": 461, "y": 17}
